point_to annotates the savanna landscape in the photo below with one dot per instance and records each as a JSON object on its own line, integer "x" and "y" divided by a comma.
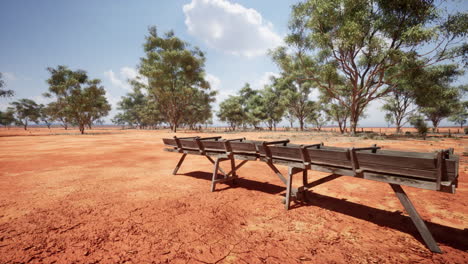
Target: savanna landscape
{"x": 110, "y": 197}
{"x": 103, "y": 162}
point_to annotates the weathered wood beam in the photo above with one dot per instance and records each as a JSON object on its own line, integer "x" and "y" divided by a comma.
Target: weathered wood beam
{"x": 181, "y": 160}
{"x": 416, "y": 218}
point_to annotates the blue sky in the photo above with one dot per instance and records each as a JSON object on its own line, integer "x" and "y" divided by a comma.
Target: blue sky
{"x": 105, "y": 38}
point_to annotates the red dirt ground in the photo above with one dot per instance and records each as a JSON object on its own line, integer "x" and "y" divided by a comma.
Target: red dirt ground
{"x": 110, "y": 197}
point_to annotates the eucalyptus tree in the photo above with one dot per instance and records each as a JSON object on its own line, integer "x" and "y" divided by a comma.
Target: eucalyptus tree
{"x": 337, "y": 113}
{"x": 26, "y": 110}
{"x": 434, "y": 94}
{"x": 460, "y": 116}
{"x": 175, "y": 74}
{"x": 296, "y": 98}
{"x": 45, "y": 115}
{"x": 7, "y": 117}
{"x": 78, "y": 99}
{"x": 132, "y": 106}
{"x": 199, "y": 112}
{"x": 272, "y": 105}
{"x": 4, "y": 92}
{"x": 318, "y": 116}
{"x": 399, "y": 106}
{"x": 366, "y": 42}
{"x": 231, "y": 111}
{"x": 249, "y": 101}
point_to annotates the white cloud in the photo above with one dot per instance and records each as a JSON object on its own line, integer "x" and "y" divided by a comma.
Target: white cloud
{"x": 214, "y": 81}
{"x": 265, "y": 79}
{"x": 215, "y": 84}
{"x": 230, "y": 27}
{"x": 9, "y": 76}
{"x": 116, "y": 81}
{"x": 39, "y": 99}
{"x": 121, "y": 80}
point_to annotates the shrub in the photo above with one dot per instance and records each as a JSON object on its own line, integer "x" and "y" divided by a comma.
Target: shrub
{"x": 466, "y": 130}
{"x": 420, "y": 125}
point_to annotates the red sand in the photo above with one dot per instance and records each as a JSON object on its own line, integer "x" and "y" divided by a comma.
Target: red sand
{"x": 110, "y": 197}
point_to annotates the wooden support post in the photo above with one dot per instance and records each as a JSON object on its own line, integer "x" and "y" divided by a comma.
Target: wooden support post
{"x": 238, "y": 167}
{"x": 181, "y": 160}
{"x": 416, "y": 218}
{"x": 270, "y": 164}
{"x": 233, "y": 167}
{"x": 215, "y": 175}
{"x": 328, "y": 178}
{"x": 289, "y": 187}
{"x": 212, "y": 161}
{"x": 304, "y": 177}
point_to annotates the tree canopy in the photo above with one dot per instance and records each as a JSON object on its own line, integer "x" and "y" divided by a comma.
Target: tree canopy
{"x": 364, "y": 46}
{"x": 176, "y": 79}
{"x": 78, "y": 100}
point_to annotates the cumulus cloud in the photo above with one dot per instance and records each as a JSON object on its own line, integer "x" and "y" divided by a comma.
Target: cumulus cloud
{"x": 215, "y": 84}
{"x": 121, "y": 80}
{"x": 265, "y": 79}
{"x": 230, "y": 27}
{"x": 9, "y": 76}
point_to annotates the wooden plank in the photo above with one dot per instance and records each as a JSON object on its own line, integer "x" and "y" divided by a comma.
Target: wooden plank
{"x": 289, "y": 163}
{"x": 189, "y": 144}
{"x": 416, "y": 218}
{"x": 410, "y": 172}
{"x": 170, "y": 142}
{"x": 243, "y": 147}
{"x": 212, "y": 145}
{"x": 397, "y": 161}
{"x": 329, "y": 154}
{"x": 286, "y": 153}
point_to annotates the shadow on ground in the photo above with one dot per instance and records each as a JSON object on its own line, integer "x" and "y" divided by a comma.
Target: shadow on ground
{"x": 450, "y": 236}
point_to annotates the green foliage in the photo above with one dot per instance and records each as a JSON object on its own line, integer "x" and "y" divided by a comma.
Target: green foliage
{"x": 318, "y": 116}
{"x": 4, "y": 92}
{"x": 433, "y": 93}
{"x": 176, "y": 80}
{"x": 460, "y": 115}
{"x": 271, "y": 107}
{"x": 398, "y": 107}
{"x": 78, "y": 100}
{"x": 417, "y": 122}
{"x": 360, "y": 46}
{"x": 46, "y": 115}
{"x": 231, "y": 111}
{"x": 138, "y": 109}
{"x": 7, "y": 118}
{"x": 25, "y": 110}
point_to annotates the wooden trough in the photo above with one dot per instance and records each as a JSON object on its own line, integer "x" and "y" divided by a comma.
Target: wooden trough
{"x": 432, "y": 171}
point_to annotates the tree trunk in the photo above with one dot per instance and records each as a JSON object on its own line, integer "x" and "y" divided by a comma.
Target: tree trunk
{"x": 25, "y": 124}
{"x": 435, "y": 124}
{"x": 340, "y": 125}
{"x": 353, "y": 122}
{"x": 301, "y": 124}
{"x": 82, "y": 128}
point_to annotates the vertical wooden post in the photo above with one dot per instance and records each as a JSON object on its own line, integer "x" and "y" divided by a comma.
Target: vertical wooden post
{"x": 288, "y": 188}
{"x": 215, "y": 175}
{"x": 416, "y": 218}
{"x": 305, "y": 181}
{"x": 440, "y": 168}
